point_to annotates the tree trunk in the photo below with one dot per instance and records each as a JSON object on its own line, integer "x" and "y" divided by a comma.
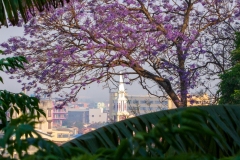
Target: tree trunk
{"x": 164, "y": 83}
{"x": 167, "y": 87}
{"x": 182, "y": 73}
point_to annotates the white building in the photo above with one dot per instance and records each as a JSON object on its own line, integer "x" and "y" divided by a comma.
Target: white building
{"x": 97, "y": 116}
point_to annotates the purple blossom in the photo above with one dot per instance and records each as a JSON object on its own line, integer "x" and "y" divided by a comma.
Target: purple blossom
{"x": 98, "y": 36}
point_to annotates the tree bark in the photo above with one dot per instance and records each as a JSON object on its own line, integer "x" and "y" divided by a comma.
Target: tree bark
{"x": 164, "y": 83}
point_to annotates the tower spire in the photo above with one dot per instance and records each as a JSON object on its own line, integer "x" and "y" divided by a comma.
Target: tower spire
{"x": 121, "y": 84}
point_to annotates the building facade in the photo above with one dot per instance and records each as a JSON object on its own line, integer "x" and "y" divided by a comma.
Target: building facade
{"x": 58, "y": 116}
{"x": 194, "y": 100}
{"x": 46, "y": 127}
{"x": 97, "y": 116}
{"x": 142, "y": 104}
{"x": 80, "y": 114}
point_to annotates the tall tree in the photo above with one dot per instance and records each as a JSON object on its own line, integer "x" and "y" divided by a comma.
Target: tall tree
{"x": 178, "y": 45}
{"x": 230, "y": 85}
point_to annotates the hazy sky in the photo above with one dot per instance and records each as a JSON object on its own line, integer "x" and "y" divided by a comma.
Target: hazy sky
{"x": 94, "y": 91}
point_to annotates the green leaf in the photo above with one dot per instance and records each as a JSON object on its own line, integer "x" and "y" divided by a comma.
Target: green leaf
{"x": 9, "y": 12}
{"x": 24, "y": 6}
{"x": 208, "y": 130}
{"x": 1, "y": 79}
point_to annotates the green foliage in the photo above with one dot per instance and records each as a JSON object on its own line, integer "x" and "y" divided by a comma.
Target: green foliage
{"x": 17, "y": 135}
{"x": 12, "y": 63}
{"x": 20, "y": 138}
{"x": 18, "y": 131}
{"x": 17, "y": 103}
{"x": 230, "y": 84}
{"x": 211, "y": 132}
{"x": 189, "y": 133}
{"x": 236, "y": 53}
{"x": 11, "y": 9}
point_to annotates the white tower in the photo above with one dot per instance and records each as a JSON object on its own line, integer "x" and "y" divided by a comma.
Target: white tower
{"x": 121, "y": 102}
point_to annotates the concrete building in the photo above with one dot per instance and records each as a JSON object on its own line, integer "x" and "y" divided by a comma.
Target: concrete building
{"x": 194, "y": 100}
{"x": 142, "y": 104}
{"x": 45, "y": 124}
{"x": 80, "y": 114}
{"x": 58, "y": 116}
{"x": 46, "y": 128}
{"x": 97, "y": 116}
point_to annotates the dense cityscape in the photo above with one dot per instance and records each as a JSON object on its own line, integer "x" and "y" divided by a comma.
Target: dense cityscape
{"x": 85, "y": 115}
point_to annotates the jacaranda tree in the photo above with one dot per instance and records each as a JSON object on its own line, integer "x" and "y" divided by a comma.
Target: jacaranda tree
{"x": 178, "y": 45}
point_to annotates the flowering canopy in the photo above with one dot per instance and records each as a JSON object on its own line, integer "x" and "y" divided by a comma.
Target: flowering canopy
{"x": 179, "y": 45}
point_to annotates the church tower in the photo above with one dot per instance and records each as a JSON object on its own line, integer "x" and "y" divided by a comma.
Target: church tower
{"x": 119, "y": 109}
{"x": 122, "y": 101}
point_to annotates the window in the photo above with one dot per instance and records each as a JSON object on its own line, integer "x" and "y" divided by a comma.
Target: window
{"x": 59, "y": 135}
{"x": 149, "y": 102}
{"x": 49, "y": 125}
{"x": 49, "y": 113}
{"x": 143, "y": 102}
{"x": 92, "y": 115}
{"x": 135, "y": 108}
{"x": 165, "y": 102}
{"x": 157, "y": 102}
{"x": 65, "y": 136}
{"x": 135, "y": 101}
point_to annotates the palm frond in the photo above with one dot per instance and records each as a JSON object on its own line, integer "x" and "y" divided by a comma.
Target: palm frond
{"x": 15, "y": 8}
{"x": 212, "y": 130}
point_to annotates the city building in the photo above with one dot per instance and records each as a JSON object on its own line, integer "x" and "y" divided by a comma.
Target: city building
{"x": 58, "y": 116}
{"x": 46, "y": 127}
{"x": 194, "y": 100}
{"x": 142, "y": 104}
{"x": 80, "y": 114}
{"x": 97, "y": 116}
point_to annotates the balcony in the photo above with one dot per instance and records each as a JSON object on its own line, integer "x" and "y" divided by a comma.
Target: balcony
{"x": 60, "y": 112}
{"x": 56, "y": 118}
